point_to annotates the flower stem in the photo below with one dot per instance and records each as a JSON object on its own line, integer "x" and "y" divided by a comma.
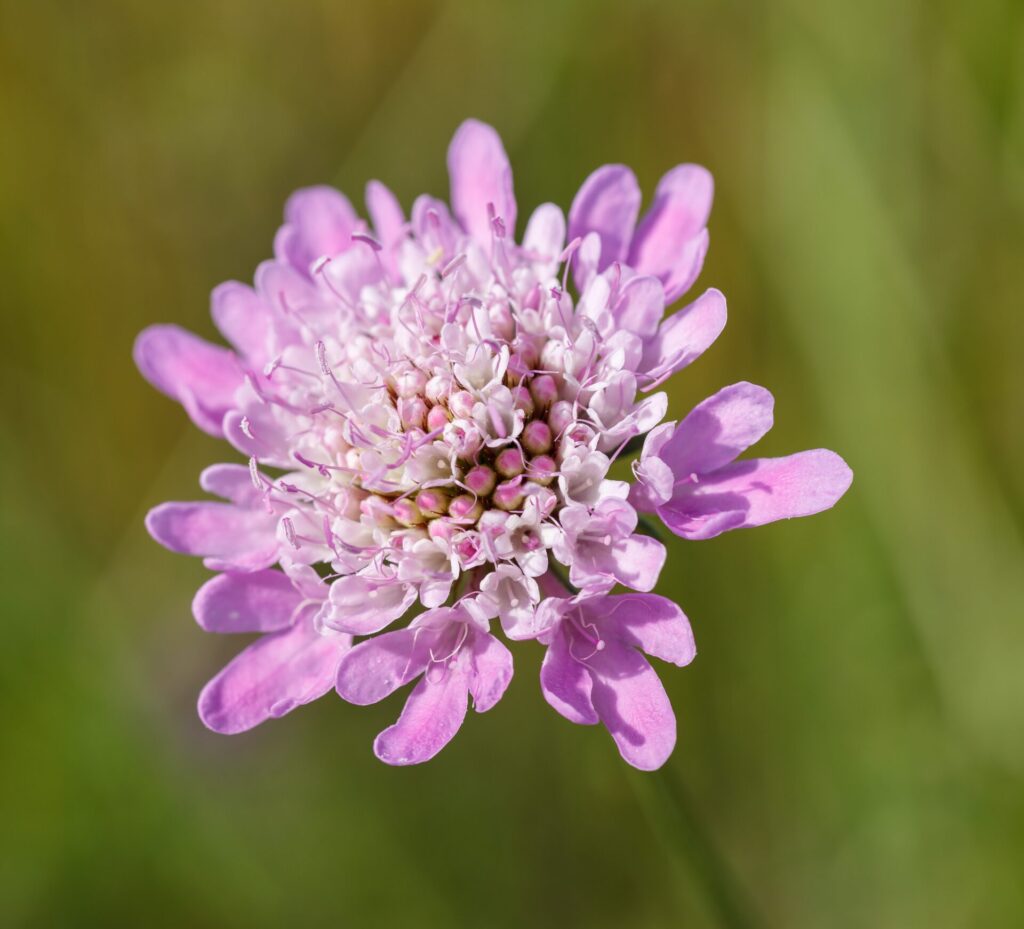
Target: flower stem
{"x": 672, "y": 816}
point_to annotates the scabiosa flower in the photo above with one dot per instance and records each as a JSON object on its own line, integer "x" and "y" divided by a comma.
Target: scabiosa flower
{"x": 429, "y": 414}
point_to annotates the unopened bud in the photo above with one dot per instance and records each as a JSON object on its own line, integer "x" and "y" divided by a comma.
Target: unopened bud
{"x": 509, "y": 462}
{"x": 537, "y": 437}
{"x": 509, "y": 495}
{"x": 465, "y": 508}
{"x": 481, "y": 480}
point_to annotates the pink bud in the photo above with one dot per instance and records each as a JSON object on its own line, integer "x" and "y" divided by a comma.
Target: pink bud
{"x": 437, "y": 418}
{"x": 461, "y": 404}
{"x": 407, "y": 513}
{"x": 413, "y": 412}
{"x": 481, "y": 480}
{"x": 537, "y": 437}
{"x": 542, "y": 469}
{"x": 509, "y": 495}
{"x": 510, "y": 462}
{"x": 432, "y": 502}
{"x": 442, "y": 529}
{"x": 438, "y": 388}
{"x": 544, "y": 390}
{"x": 465, "y": 508}
{"x": 560, "y": 417}
{"x": 410, "y": 383}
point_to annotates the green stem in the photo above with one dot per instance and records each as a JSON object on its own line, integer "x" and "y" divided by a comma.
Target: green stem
{"x": 672, "y": 816}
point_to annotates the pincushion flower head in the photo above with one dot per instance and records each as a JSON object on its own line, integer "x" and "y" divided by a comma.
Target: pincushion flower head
{"x": 428, "y": 407}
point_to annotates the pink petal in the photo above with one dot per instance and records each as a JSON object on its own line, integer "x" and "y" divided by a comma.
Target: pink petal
{"x": 388, "y": 220}
{"x": 565, "y": 682}
{"x": 758, "y": 491}
{"x": 318, "y": 221}
{"x": 283, "y": 288}
{"x": 365, "y": 605}
{"x": 263, "y": 601}
{"x": 608, "y": 204}
{"x": 654, "y": 484}
{"x": 433, "y": 224}
{"x": 491, "y": 671}
{"x": 385, "y": 213}
{"x": 640, "y": 306}
{"x": 232, "y": 482}
{"x": 545, "y": 231}
{"x": 684, "y": 337}
{"x": 271, "y": 677}
{"x": 671, "y": 240}
{"x": 244, "y": 319}
{"x": 651, "y": 623}
{"x": 202, "y": 377}
{"x": 637, "y": 561}
{"x": 379, "y": 666}
{"x": 479, "y": 172}
{"x": 432, "y": 715}
{"x": 229, "y": 537}
{"x": 633, "y": 705}
{"x": 719, "y": 429}
{"x": 256, "y": 433}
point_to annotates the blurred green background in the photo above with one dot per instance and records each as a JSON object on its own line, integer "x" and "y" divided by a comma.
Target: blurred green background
{"x": 851, "y": 733}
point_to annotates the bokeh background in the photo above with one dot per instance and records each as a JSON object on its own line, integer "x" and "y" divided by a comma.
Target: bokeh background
{"x": 851, "y": 749}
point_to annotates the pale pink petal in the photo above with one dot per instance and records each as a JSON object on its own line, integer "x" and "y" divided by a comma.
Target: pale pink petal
{"x": 608, "y": 204}
{"x": 632, "y": 703}
{"x": 671, "y": 240}
{"x": 565, "y": 682}
{"x": 637, "y": 561}
{"x": 227, "y": 536}
{"x": 365, "y": 605}
{"x": 244, "y": 319}
{"x": 433, "y": 224}
{"x": 202, "y": 377}
{"x": 640, "y": 306}
{"x": 545, "y": 231}
{"x": 654, "y": 484}
{"x": 431, "y": 717}
{"x": 318, "y": 221}
{"x": 385, "y": 213}
{"x": 284, "y": 289}
{"x": 758, "y": 491}
{"x": 256, "y": 433}
{"x": 651, "y": 623}
{"x": 351, "y": 271}
{"x": 719, "y": 429}
{"x": 480, "y": 174}
{"x": 491, "y": 671}
{"x": 232, "y": 482}
{"x": 388, "y": 221}
{"x": 379, "y": 666}
{"x": 684, "y": 337}
{"x": 271, "y": 677}
{"x": 261, "y": 601}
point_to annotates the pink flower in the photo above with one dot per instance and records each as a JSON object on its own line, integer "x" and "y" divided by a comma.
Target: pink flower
{"x": 689, "y": 476}
{"x": 442, "y": 414}
{"x": 593, "y": 670}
